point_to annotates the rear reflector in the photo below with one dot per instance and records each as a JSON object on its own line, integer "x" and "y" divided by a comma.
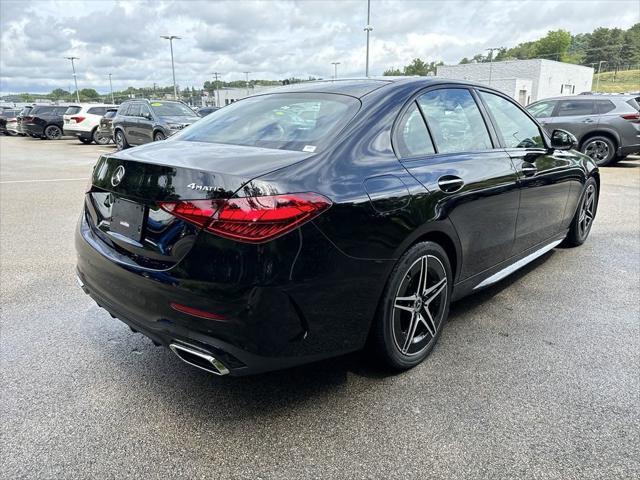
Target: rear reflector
{"x": 250, "y": 219}
{"x": 633, "y": 117}
{"x": 196, "y": 312}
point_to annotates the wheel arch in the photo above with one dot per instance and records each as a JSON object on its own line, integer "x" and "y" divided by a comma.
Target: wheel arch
{"x": 610, "y": 134}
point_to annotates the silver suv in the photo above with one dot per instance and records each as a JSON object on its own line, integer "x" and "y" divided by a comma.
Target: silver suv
{"x": 607, "y": 126}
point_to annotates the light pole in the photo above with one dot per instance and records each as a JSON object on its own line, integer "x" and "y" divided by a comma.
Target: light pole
{"x": 111, "y": 89}
{"x": 490, "y": 50}
{"x": 171, "y": 38}
{"x": 599, "y": 69}
{"x": 246, "y": 76}
{"x": 368, "y": 29}
{"x": 75, "y": 79}
{"x": 216, "y": 94}
{"x": 335, "y": 69}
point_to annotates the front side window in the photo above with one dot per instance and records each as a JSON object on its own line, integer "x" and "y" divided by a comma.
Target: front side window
{"x": 285, "y": 121}
{"x": 517, "y": 129}
{"x": 134, "y": 110}
{"x": 455, "y": 120}
{"x": 567, "y": 108}
{"x": 542, "y": 109}
{"x": 412, "y": 138}
{"x": 172, "y": 109}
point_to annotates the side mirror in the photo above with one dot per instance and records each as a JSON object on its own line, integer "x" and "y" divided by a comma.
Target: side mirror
{"x": 563, "y": 140}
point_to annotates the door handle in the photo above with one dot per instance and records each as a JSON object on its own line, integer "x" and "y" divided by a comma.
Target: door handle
{"x": 450, "y": 183}
{"x": 529, "y": 169}
{"x": 588, "y": 120}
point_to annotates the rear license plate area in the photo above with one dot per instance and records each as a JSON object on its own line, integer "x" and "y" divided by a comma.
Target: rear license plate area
{"x": 127, "y": 218}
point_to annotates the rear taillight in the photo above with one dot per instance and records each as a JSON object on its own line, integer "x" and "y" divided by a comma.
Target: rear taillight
{"x": 27, "y": 119}
{"x": 77, "y": 119}
{"x": 632, "y": 117}
{"x": 250, "y": 219}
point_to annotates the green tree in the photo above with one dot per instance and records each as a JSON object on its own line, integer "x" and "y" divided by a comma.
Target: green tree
{"x": 554, "y": 45}
{"x": 59, "y": 94}
{"x": 393, "y": 72}
{"x": 630, "y": 51}
{"x": 88, "y": 94}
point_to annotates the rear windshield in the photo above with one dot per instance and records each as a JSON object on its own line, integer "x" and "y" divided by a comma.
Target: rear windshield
{"x": 110, "y": 114}
{"x": 172, "y": 109}
{"x": 288, "y": 121}
{"x": 9, "y": 113}
{"x": 25, "y": 110}
{"x": 72, "y": 110}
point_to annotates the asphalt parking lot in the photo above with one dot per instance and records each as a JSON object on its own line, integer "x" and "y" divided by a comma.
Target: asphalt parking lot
{"x": 535, "y": 378}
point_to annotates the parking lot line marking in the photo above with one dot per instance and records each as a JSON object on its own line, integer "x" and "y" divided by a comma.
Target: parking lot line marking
{"x": 46, "y": 180}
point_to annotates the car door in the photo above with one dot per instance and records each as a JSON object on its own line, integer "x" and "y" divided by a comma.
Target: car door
{"x": 131, "y": 124}
{"x": 145, "y": 124}
{"x": 471, "y": 179}
{"x": 544, "y": 175}
{"x": 576, "y": 115}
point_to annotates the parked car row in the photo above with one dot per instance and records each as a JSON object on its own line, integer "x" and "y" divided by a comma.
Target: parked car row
{"x": 607, "y": 126}
{"x": 134, "y": 122}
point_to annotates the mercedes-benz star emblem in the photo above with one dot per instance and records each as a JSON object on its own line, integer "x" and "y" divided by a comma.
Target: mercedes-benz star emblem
{"x": 116, "y": 178}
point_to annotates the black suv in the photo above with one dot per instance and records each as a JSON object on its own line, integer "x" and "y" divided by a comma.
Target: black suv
{"x": 607, "y": 126}
{"x": 144, "y": 121}
{"x": 45, "y": 121}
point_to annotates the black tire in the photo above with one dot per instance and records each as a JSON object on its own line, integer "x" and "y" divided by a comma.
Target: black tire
{"x": 600, "y": 148}
{"x": 158, "y": 136}
{"x": 121, "y": 140}
{"x": 98, "y": 138}
{"x": 584, "y": 216}
{"x": 52, "y": 132}
{"x": 406, "y": 327}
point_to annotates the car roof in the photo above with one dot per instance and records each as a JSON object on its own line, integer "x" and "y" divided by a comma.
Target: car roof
{"x": 359, "y": 87}
{"x": 612, "y": 96}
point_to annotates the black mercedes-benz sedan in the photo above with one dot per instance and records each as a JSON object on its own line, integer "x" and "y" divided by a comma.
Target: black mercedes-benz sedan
{"x": 322, "y": 217}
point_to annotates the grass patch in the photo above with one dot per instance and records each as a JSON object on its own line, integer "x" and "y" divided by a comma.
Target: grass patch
{"x": 612, "y": 82}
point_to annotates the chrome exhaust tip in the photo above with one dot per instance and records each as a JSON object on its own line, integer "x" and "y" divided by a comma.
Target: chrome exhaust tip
{"x": 199, "y": 359}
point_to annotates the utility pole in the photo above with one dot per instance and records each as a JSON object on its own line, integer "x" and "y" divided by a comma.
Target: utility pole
{"x": 171, "y": 38}
{"x": 335, "y": 69}
{"x": 216, "y": 93}
{"x": 75, "y": 77}
{"x": 111, "y": 89}
{"x": 247, "y": 81}
{"x": 368, "y": 29}
{"x": 490, "y": 50}
{"x": 599, "y": 70}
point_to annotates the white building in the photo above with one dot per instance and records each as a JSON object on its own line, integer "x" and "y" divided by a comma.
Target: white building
{"x": 525, "y": 80}
{"x": 229, "y": 95}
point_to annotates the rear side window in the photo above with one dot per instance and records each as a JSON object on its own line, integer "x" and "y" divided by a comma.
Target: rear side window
{"x": 26, "y": 110}
{"x": 286, "y": 121}
{"x": 605, "y": 106}
{"x": 516, "y": 128}
{"x": 42, "y": 110}
{"x": 542, "y": 109}
{"x": 412, "y": 137}
{"x": 134, "y": 110}
{"x": 72, "y": 110}
{"x": 454, "y": 120}
{"x": 97, "y": 110}
{"x": 567, "y": 108}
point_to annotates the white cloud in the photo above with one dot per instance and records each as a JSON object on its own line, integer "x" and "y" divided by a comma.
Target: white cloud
{"x": 272, "y": 39}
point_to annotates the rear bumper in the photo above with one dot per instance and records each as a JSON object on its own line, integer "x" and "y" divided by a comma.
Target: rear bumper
{"x": 628, "y": 150}
{"x": 72, "y": 132}
{"x": 320, "y": 307}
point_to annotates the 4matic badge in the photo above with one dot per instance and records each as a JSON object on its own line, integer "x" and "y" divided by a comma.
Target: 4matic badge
{"x": 204, "y": 188}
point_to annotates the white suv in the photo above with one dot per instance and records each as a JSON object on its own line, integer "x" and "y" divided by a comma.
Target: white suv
{"x": 83, "y": 122}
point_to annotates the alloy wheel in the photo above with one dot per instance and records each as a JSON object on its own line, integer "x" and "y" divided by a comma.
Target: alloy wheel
{"x": 598, "y": 150}
{"x": 419, "y": 305}
{"x": 119, "y": 140}
{"x": 587, "y": 211}
{"x": 52, "y": 132}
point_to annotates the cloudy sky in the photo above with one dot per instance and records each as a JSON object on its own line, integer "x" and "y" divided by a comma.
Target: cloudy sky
{"x": 272, "y": 39}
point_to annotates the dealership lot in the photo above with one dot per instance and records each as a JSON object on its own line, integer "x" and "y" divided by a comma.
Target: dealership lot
{"x": 534, "y": 378}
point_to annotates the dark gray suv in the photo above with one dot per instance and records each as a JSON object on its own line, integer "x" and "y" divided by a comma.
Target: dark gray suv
{"x": 607, "y": 126}
{"x": 144, "y": 121}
